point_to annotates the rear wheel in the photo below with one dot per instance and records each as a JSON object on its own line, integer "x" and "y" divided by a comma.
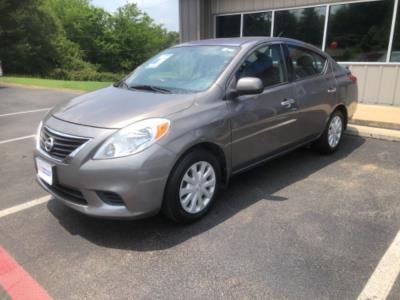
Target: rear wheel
{"x": 332, "y": 135}
{"x": 192, "y": 187}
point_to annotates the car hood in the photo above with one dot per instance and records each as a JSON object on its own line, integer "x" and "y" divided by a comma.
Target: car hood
{"x": 113, "y": 107}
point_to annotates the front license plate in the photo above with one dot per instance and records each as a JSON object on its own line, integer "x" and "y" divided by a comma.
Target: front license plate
{"x": 45, "y": 171}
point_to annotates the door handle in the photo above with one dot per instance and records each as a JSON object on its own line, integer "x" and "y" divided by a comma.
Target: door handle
{"x": 331, "y": 90}
{"x": 288, "y": 102}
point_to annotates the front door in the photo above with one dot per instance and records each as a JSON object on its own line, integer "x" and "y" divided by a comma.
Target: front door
{"x": 265, "y": 123}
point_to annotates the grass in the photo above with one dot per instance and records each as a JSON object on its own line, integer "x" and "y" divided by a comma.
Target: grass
{"x": 58, "y": 84}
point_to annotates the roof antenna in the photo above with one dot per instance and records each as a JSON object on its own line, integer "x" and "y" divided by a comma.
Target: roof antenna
{"x": 280, "y": 34}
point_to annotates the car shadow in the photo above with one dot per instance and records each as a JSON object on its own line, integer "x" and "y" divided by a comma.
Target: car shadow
{"x": 157, "y": 233}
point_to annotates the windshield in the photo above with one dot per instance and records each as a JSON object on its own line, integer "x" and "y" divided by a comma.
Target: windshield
{"x": 188, "y": 68}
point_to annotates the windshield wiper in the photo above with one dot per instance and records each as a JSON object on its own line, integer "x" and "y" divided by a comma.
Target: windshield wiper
{"x": 151, "y": 88}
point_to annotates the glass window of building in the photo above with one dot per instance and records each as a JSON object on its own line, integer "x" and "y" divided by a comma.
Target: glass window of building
{"x": 359, "y": 32}
{"x": 306, "y": 24}
{"x": 395, "y": 55}
{"x": 257, "y": 24}
{"x": 228, "y": 26}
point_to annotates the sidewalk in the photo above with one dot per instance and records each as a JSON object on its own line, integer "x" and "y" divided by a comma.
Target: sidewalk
{"x": 377, "y": 116}
{"x": 376, "y": 121}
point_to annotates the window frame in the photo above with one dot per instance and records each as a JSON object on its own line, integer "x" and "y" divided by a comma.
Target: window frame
{"x": 327, "y": 6}
{"x": 231, "y": 78}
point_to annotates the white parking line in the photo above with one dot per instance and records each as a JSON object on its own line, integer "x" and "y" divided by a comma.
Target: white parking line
{"x": 381, "y": 281}
{"x": 25, "y": 112}
{"x": 23, "y": 206}
{"x": 17, "y": 139}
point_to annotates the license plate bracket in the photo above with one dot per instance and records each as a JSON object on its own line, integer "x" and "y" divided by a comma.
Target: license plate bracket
{"x": 45, "y": 171}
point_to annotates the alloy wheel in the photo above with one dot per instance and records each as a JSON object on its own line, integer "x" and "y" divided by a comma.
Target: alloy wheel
{"x": 335, "y": 131}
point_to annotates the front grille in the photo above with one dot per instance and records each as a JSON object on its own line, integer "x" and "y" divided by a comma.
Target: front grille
{"x": 62, "y": 144}
{"x": 110, "y": 198}
{"x": 67, "y": 193}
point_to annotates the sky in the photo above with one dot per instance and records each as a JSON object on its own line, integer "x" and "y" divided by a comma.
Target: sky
{"x": 162, "y": 11}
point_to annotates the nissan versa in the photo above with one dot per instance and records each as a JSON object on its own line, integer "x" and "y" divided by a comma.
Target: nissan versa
{"x": 169, "y": 135}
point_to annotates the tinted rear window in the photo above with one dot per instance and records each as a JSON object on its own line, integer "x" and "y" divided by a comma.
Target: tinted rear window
{"x": 305, "y": 62}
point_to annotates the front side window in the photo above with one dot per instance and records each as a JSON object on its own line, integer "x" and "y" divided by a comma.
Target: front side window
{"x": 265, "y": 63}
{"x": 228, "y": 26}
{"x": 257, "y": 24}
{"x": 191, "y": 68}
{"x": 306, "y": 24}
{"x": 305, "y": 63}
{"x": 359, "y": 31}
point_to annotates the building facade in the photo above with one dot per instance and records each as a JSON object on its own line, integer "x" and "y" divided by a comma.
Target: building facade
{"x": 361, "y": 34}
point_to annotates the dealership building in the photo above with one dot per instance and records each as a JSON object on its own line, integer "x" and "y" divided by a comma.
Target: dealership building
{"x": 363, "y": 35}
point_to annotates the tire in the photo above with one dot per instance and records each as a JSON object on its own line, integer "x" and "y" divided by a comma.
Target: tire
{"x": 179, "y": 204}
{"x": 332, "y": 136}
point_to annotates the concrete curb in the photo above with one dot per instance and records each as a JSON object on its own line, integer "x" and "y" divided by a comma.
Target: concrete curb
{"x": 377, "y": 124}
{"x": 373, "y": 132}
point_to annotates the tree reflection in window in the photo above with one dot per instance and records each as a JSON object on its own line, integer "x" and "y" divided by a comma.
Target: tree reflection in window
{"x": 359, "y": 31}
{"x": 306, "y": 24}
{"x": 257, "y": 24}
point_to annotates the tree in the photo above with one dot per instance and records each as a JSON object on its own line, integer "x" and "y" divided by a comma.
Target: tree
{"x": 83, "y": 25}
{"x": 135, "y": 38}
{"x": 27, "y": 35}
{"x": 64, "y": 37}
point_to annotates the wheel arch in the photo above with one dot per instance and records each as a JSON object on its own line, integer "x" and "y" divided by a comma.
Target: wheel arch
{"x": 214, "y": 149}
{"x": 342, "y": 108}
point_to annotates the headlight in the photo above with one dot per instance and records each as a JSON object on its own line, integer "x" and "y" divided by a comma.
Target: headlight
{"x": 133, "y": 138}
{"x": 39, "y": 129}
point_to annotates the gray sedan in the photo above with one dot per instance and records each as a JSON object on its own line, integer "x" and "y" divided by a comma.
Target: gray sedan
{"x": 172, "y": 133}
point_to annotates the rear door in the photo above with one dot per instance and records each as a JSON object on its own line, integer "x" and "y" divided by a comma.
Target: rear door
{"x": 265, "y": 123}
{"x": 314, "y": 88}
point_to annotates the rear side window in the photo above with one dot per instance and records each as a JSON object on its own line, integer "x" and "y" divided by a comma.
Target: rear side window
{"x": 265, "y": 63}
{"x": 338, "y": 68}
{"x": 305, "y": 62}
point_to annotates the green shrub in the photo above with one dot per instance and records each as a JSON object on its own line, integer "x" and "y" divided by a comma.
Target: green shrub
{"x": 84, "y": 75}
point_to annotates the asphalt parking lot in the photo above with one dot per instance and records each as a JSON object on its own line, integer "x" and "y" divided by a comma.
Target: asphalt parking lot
{"x": 303, "y": 226}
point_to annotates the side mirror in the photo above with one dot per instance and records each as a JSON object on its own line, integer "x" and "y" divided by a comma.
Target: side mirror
{"x": 117, "y": 83}
{"x": 249, "y": 86}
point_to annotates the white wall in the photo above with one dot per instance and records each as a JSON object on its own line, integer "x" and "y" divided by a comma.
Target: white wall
{"x": 378, "y": 84}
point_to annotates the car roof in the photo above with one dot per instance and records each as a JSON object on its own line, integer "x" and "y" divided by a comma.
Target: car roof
{"x": 244, "y": 41}
{"x": 239, "y": 41}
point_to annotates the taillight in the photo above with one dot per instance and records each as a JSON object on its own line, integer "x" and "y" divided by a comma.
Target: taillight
{"x": 352, "y": 78}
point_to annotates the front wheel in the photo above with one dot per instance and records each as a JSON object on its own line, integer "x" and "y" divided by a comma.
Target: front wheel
{"x": 330, "y": 139}
{"x": 192, "y": 187}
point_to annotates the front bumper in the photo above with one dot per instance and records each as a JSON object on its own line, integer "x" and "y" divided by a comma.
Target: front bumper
{"x": 136, "y": 181}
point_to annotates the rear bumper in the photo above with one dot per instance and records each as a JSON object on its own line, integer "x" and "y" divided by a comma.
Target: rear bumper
{"x": 352, "y": 100}
{"x": 351, "y": 109}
